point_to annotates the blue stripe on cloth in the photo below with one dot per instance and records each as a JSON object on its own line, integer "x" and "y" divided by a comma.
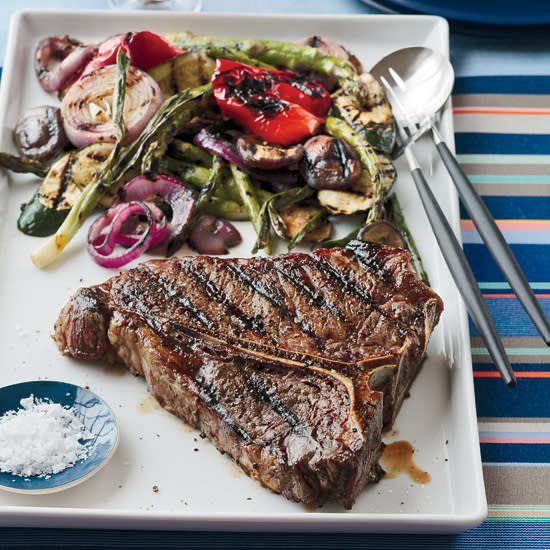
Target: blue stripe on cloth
{"x": 501, "y": 144}
{"x": 533, "y": 259}
{"x": 510, "y": 317}
{"x": 535, "y": 84}
{"x": 496, "y": 400}
{"x": 498, "y": 533}
{"x": 515, "y": 208}
{"x": 531, "y": 453}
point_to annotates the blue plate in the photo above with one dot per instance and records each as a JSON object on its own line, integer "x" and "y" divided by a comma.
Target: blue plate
{"x": 94, "y": 413}
{"x": 505, "y": 12}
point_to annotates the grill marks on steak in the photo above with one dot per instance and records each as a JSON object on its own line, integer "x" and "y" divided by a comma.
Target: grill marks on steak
{"x": 301, "y": 431}
{"x": 277, "y": 360}
{"x": 377, "y": 306}
{"x": 256, "y": 302}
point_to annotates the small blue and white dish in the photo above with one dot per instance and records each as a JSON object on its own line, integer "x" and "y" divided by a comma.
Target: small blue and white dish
{"x": 95, "y": 414}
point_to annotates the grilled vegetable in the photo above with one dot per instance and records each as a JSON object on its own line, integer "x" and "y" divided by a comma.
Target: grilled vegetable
{"x": 291, "y": 220}
{"x": 369, "y": 190}
{"x": 166, "y": 122}
{"x": 166, "y": 192}
{"x": 305, "y": 223}
{"x": 87, "y": 106}
{"x": 212, "y": 235}
{"x": 386, "y": 174}
{"x": 367, "y": 111}
{"x": 344, "y": 202}
{"x": 279, "y": 54}
{"x": 59, "y": 59}
{"x": 144, "y": 49}
{"x": 40, "y": 135}
{"x": 220, "y": 145}
{"x": 125, "y": 231}
{"x": 358, "y": 94}
{"x": 62, "y": 187}
{"x": 329, "y": 163}
{"x": 277, "y": 106}
{"x": 201, "y": 203}
{"x": 395, "y": 216}
{"x": 22, "y": 165}
{"x": 186, "y": 70}
{"x": 187, "y": 151}
{"x": 382, "y": 231}
{"x": 256, "y": 153}
{"x": 251, "y": 202}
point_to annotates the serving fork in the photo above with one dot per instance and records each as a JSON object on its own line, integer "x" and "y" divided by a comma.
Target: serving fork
{"x": 408, "y": 131}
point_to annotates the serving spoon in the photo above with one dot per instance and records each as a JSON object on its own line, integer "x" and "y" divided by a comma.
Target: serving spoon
{"x": 422, "y": 82}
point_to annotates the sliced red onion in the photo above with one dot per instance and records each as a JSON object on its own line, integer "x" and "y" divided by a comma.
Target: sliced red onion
{"x": 58, "y": 60}
{"x": 212, "y": 235}
{"x": 87, "y": 106}
{"x": 108, "y": 231}
{"x": 179, "y": 196}
{"x": 224, "y": 149}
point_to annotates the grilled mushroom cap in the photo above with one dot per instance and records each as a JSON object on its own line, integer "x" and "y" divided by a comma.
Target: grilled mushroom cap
{"x": 39, "y": 135}
{"x": 329, "y": 163}
{"x": 257, "y": 153}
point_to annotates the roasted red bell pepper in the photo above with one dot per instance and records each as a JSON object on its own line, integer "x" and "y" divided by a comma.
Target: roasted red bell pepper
{"x": 278, "y": 106}
{"x": 145, "y": 49}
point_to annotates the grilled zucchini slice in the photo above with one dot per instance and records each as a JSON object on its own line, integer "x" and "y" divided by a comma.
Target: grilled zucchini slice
{"x": 296, "y": 217}
{"x": 359, "y": 198}
{"x": 186, "y": 70}
{"x": 61, "y": 187}
{"x": 372, "y": 117}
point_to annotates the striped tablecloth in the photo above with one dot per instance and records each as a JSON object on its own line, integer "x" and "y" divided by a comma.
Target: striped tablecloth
{"x": 503, "y": 142}
{"x": 502, "y": 127}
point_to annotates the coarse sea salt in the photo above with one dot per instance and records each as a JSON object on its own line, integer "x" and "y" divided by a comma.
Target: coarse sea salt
{"x": 41, "y": 438}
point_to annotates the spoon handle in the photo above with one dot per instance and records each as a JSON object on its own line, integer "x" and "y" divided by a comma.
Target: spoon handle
{"x": 461, "y": 271}
{"x": 493, "y": 238}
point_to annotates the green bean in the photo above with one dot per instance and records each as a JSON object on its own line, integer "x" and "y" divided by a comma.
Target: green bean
{"x": 395, "y": 215}
{"x": 253, "y": 206}
{"x": 227, "y": 209}
{"x": 23, "y": 165}
{"x": 341, "y": 129}
{"x": 187, "y": 151}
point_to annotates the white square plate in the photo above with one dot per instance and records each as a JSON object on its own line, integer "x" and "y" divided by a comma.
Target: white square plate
{"x": 164, "y": 476}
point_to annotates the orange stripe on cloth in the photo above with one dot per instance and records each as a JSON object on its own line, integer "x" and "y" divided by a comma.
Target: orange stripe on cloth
{"x": 519, "y": 374}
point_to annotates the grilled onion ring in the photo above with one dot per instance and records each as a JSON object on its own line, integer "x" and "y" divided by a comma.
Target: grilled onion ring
{"x": 87, "y": 106}
{"x": 59, "y": 59}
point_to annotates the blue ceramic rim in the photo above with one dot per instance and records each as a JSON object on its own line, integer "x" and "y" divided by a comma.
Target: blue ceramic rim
{"x": 455, "y": 14}
{"x": 95, "y": 414}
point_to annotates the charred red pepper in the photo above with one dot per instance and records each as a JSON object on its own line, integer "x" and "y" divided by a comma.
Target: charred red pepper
{"x": 278, "y": 106}
{"x": 145, "y": 49}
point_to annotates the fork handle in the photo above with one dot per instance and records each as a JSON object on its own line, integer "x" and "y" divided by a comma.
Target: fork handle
{"x": 493, "y": 239}
{"x": 463, "y": 276}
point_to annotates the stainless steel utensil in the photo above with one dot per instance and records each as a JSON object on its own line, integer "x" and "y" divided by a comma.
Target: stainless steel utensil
{"x": 423, "y": 80}
{"x": 451, "y": 249}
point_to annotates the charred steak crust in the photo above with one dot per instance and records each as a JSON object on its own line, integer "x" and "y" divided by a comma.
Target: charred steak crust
{"x": 291, "y": 364}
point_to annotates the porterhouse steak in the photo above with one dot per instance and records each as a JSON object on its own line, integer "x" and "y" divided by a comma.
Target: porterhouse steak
{"x": 291, "y": 364}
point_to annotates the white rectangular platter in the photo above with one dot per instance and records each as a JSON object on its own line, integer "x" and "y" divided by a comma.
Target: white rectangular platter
{"x": 198, "y": 488}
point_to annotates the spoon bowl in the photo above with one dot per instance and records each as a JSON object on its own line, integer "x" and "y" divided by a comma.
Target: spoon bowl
{"x": 426, "y": 75}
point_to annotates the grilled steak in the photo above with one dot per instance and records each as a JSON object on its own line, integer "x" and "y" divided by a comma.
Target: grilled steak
{"x": 292, "y": 364}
